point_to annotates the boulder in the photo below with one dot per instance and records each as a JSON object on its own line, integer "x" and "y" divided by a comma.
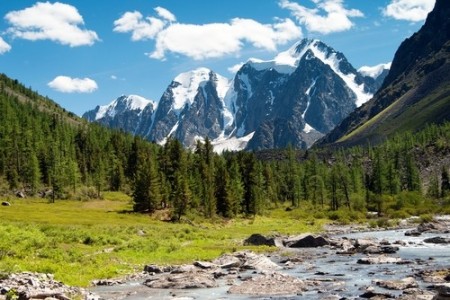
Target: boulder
{"x": 413, "y": 232}
{"x": 306, "y": 241}
{"x": 437, "y": 240}
{"x": 259, "y": 240}
{"x": 403, "y": 284}
{"x": 270, "y": 285}
{"x": 227, "y": 261}
{"x": 6, "y": 203}
{"x": 153, "y": 269}
{"x": 253, "y": 261}
{"x": 434, "y": 226}
{"x": 20, "y": 194}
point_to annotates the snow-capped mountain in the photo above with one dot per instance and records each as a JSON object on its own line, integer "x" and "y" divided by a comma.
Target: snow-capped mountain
{"x": 125, "y": 112}
{"x": 296, "y": 98}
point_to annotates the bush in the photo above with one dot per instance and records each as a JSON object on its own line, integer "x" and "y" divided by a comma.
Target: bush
{"x": 426, "y": 218}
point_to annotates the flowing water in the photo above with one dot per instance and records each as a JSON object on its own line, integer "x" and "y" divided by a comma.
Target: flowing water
{"x": 340, "y": 274}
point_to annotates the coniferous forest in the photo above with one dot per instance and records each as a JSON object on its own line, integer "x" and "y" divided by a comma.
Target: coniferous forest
{"x": 48, "y": 152}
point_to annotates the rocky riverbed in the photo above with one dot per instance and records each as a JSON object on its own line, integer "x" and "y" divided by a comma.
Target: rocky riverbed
{"x": 343, "y": 265}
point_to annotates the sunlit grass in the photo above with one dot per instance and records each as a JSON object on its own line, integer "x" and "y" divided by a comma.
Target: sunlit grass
{"x": 79, "y": 241}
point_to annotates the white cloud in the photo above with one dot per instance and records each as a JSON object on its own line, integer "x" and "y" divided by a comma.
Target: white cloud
{"x": 113, "y": 77}
{"x": 67, "y": 84}
{"x": 140, "y": 28}
{"x": 57, "y": 22}
{"x": 329, "y": 16}
{"x": 165, "y": 14}
{"x": 234, "y": 69}
{"x": 409, "y": 10}
{"x": 205, "y": 40}
{"x": 4, "y": 46}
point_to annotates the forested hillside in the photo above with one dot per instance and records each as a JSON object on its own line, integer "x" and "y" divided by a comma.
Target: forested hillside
{"x": 46, "y": 151}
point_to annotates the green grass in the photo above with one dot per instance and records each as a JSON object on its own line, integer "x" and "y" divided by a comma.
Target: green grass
{"x": 81, "y": 241}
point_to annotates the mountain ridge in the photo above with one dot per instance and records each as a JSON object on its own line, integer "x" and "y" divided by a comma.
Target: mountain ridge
{"x": 265, "y": 105}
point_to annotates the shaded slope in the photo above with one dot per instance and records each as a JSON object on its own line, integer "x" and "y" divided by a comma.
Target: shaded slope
{"x": 415, "y": 93}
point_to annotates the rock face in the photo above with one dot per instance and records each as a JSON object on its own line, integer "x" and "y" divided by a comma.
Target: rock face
{"x": 294, "y": 99}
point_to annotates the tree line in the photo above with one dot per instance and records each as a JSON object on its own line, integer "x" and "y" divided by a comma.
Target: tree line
{"x": 41, "y": 150}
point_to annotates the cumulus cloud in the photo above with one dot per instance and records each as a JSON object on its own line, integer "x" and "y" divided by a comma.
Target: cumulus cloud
{"x": 57, "y": 22}
{"x": 409, "y": 10}
{"x": 140, "y": 28}
{"x": 4, "y": 46}
{"x": 67, "y": 84}
{"x": 329, "y": 16}
{"x": 165, "y": 14}
{"x": 201, "y": 41}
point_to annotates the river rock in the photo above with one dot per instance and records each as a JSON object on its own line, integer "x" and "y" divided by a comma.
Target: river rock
{"x": 205, "y": 265}
{"x": 402, "y": 284}
{"x": 306, "y": 241}
{"x": 253, "y": 261}
{"x": 380, "y": 250}
{"x": 381, "y": 259}
{"x": 437, "y": 240}
{"x": 416, "y": 294}
{"x": 227, "y": 261}
{"x": 270, "y": 284}
{"x": 443, "y": 292}
{"x": 187, "y": 280}
{"x": 413, "y": 232}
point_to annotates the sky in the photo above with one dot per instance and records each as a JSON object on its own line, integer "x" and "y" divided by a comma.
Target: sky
{"x": 87, "y": 53}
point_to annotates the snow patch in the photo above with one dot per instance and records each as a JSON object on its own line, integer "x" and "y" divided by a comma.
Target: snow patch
{"x": 229, "y": 102}
{"x": 308, "y": 93}
{"x": 308, "y": 128}
{"x": 374, "y": 71}
{"x": 333, "y": 62}
{"x": 164, "y": 140}
{"x": 187, "y": 89}
{"x": 231, "y": 143}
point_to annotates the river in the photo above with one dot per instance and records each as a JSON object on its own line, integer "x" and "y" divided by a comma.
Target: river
{"x": 340, "y": 275}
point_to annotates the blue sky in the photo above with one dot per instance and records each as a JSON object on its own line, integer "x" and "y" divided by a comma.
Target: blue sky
{"x": 87, "y": 53}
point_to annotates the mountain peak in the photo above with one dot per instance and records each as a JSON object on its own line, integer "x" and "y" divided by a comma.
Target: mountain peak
{"x": 186, "y": 86}
{"x": 124, "y": 102}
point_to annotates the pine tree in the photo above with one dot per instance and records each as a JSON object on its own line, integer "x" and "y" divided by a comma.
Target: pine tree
{"x": 146, "y": 193}
{"x": 445, "y": 182}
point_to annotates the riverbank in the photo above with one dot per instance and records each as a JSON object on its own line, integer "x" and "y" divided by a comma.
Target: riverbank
{"x": 82, "y": 241}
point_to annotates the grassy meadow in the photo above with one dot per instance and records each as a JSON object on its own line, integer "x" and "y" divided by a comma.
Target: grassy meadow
{"x": 79, "y": 241}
